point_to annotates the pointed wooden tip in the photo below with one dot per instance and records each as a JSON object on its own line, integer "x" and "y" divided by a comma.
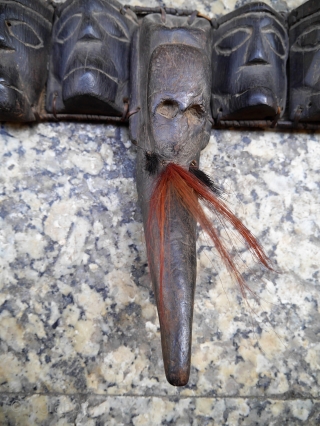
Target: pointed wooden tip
{"x": 178, "y": 378}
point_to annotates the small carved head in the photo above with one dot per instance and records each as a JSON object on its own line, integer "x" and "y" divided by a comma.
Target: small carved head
{"x": 179, "y": 100}
{"x": 89, "y": 68}
{"x": 25, "y": 29}
{"x": 305, "y": 62}
{"x": 250, "y": 49}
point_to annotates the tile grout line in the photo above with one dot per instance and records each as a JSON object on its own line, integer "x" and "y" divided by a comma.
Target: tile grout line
{"x": 90, "y": 395}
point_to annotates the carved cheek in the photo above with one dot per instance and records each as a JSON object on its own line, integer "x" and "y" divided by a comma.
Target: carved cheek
{"x": 278, "y": 65}
{"x": 229, "y": 55}
{"x": 62, "y": 51}
{"x": 311, "y": 74}
{"x": 65, "y": 40}
{"x": 305, "y": 54}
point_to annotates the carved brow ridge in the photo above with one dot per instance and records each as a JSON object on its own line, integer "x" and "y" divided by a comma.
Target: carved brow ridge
{"x": 31, "y": 11}
{"x": 304, "y": 20}
{"x": 246, "y": 15}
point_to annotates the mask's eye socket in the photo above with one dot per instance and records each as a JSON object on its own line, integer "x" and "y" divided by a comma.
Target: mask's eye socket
{"x": 168, "y": 108}
{"x": 111, "y": 26}
{"x": 308, "y": 41}
{"x": 232, "y": 41}
{"x": 196, "y": 112}
{"x": 24, "y": 33}
{"x": 68, "y": 28}
{"x": 275, "y": 41}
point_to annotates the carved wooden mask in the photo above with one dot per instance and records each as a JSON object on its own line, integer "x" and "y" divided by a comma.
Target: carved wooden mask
{"x": 250, "y": 48}
{"x": 25, "y": 30}
{"x": 305, "y": 62}
{"x": 172, "y": 88}
{"x": 89, "y": 69}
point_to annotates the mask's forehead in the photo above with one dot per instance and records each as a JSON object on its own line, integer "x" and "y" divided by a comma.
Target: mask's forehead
{"x": 254, "y": 7}
{"x": 80, "y": 6}
{"x": 95, "y": 8}
{"x": 177, "y": 69}
{"x": 303, "y": 12}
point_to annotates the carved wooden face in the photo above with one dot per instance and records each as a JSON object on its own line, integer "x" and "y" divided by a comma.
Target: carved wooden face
{"x": 179, "y": 101}
{"x": 304, "y": 69}
{"x": 90, "y": 62}
{"x": 24, "y": 43}
{"x": 249, "y": 67}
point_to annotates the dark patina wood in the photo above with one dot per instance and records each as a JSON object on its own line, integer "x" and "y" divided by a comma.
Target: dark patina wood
{"x": 304, "y": 69}
{"x": 172, "y": 87}
{"x": 25, "y": 35}
{"x": 89, "y": 66}
{"x": 249, "y": 55}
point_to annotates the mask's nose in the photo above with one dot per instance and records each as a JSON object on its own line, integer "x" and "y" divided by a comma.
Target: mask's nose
{"x": 257, "y": 54}
{"x": 89, "y": 30}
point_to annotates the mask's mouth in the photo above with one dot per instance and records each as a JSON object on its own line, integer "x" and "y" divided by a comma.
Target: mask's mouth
{"x": 91, "y": 62}
{"x": 91, "y": 87}
{"x": 256, "y": 103}
{"x": 89, "y": 69}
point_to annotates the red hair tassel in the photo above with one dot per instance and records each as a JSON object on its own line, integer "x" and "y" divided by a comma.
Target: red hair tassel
{"x": 179, "y": 185}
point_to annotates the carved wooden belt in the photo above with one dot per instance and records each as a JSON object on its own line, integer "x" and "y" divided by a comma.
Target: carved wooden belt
{"x": 173, "y": 75}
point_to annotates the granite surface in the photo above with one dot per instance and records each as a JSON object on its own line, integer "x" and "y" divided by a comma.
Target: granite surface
{"x": 79, "y": 333}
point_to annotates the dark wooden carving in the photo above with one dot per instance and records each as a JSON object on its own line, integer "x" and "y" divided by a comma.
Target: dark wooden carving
{"x": 89, "y": 67}
{"x": 25, "y": 34}
{"x": 250, "y": 48}
{"x": 304, "y": 62}
{"x": 171, "y": 85}
{"x": 90, "y": 63}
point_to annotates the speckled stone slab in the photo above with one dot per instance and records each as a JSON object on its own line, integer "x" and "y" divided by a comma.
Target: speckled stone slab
{"x": 145, "y": 411}
{"x": 79, "y": 333}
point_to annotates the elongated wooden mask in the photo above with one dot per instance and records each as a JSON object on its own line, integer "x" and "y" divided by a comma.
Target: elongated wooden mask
{"x": 172, "y": 126}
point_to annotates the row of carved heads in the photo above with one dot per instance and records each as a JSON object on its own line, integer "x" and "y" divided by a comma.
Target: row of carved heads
{"x": 75, "y": 58}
